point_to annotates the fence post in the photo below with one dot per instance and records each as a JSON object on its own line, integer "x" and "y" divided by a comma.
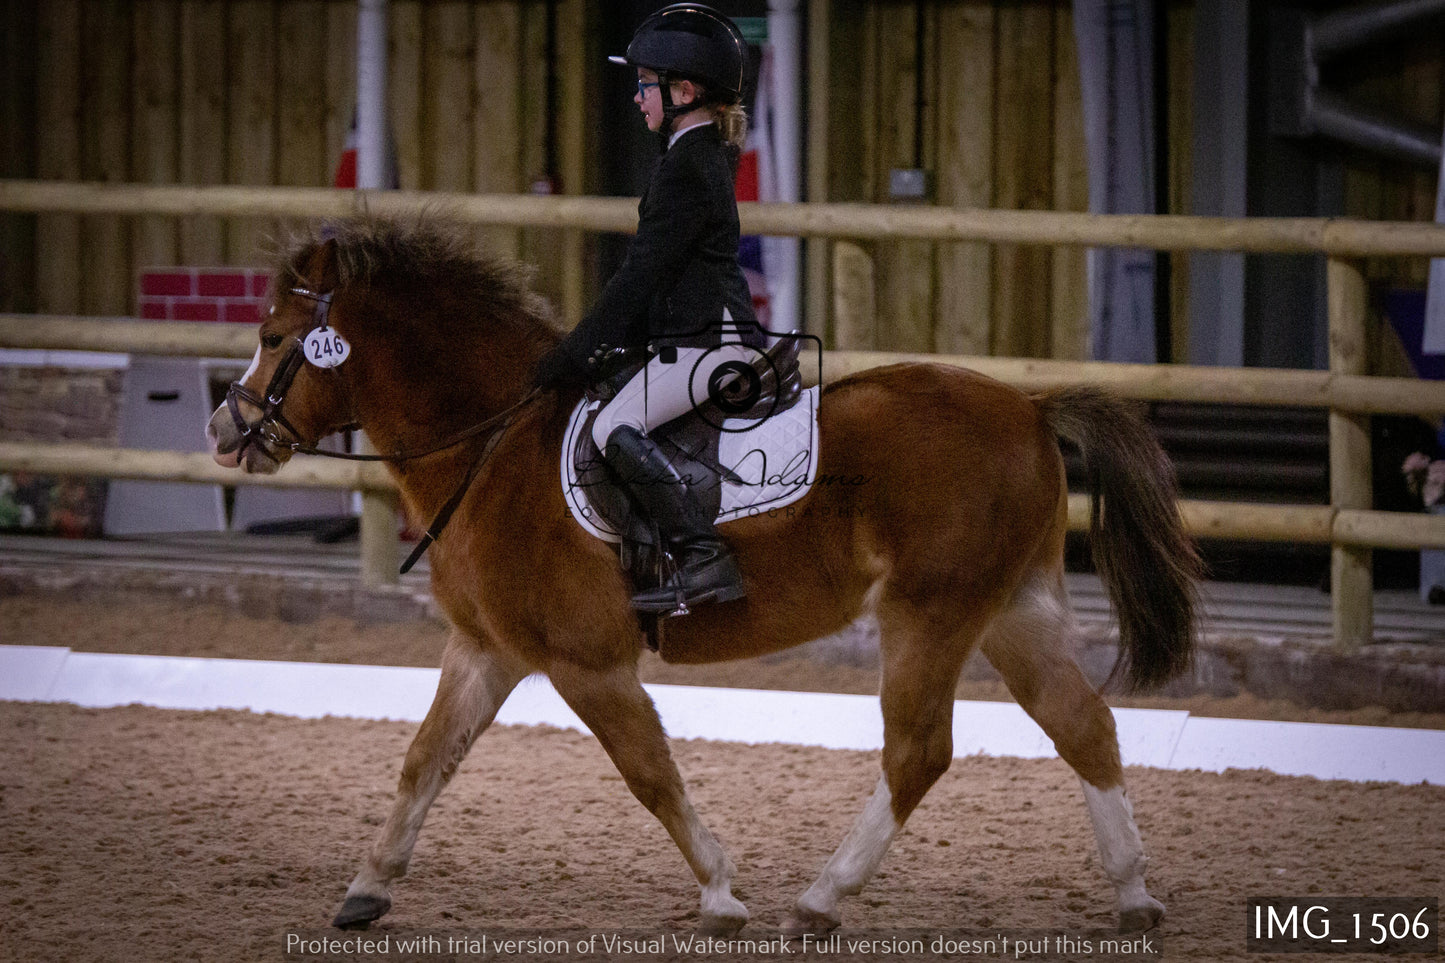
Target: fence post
{"x": 380, "y": 554}
{"x": 1351, "y": 579}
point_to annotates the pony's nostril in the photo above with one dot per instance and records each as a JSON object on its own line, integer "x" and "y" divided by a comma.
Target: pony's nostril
{"x": 221, "y": 445}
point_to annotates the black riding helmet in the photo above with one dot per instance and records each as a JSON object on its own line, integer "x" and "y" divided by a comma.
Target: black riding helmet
{"x": 690, "y": 41}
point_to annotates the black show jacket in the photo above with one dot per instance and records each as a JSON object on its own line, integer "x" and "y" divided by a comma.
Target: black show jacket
{"x": 681, "y": 269}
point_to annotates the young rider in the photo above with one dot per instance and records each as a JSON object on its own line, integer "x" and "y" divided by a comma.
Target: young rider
{"x": 679, "y": 284}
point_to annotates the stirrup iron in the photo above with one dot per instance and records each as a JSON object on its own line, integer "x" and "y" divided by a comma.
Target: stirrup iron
{"x": 669, "y": 563}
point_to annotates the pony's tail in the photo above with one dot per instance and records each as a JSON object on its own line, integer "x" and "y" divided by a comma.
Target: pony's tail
{"x": 1147, "y": 562}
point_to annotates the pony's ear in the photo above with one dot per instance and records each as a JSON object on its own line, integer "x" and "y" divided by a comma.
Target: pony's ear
{"x": 321, "y": 272}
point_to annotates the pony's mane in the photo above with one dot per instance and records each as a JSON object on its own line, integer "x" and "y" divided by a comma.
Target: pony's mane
{"x": 416, "y": 255}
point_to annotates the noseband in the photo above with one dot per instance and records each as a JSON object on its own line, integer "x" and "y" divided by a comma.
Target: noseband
{"x": 262, "y": 430}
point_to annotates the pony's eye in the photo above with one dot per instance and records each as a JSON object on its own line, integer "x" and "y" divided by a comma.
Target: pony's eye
{"x": 272, "y": 340}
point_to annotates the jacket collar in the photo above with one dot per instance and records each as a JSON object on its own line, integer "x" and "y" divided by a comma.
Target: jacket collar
{"x": 678, "y": 134}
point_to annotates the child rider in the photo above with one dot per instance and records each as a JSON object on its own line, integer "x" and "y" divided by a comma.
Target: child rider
{"x": 679, "y": 284}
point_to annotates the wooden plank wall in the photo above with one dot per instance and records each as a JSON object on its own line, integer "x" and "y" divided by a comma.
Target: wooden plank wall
{"x": 1023, "y": 178}
{"x": 155, "y": 151}
{"x": 203, "y": 59}
{"x": 1004, "y": 129}
{"x": 965, "y": 115}
{"x": 18, "y": 29}
{"x": 1068, "y": 292}
{"x": 262, "y": 92}
{"x": 1402, "y": 78}
{"x": 1180, "y": 67}
{"x": 57, "y": 236}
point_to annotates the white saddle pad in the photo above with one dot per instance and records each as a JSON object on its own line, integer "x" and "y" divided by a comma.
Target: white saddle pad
{"x": 777, "y": 460}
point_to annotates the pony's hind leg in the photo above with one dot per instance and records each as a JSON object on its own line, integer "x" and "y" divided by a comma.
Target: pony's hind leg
{"x": 921, "y": 663}
{"x": 1029, "y": 646}
{"x": 475, "y": 681}
{"x": 621, "y": 715}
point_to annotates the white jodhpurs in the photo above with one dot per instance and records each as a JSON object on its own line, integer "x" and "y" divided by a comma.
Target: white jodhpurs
{"x": 661, "y": 391}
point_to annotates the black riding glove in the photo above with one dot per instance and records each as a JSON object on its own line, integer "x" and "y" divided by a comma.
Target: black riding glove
{"x": 558, "y": 370}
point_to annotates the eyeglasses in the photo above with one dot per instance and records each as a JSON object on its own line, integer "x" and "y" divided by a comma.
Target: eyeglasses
{"x": 642, "y": 86}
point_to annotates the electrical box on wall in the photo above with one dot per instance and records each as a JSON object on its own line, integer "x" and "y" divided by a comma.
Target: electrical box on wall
{"x": 910, "y": 184}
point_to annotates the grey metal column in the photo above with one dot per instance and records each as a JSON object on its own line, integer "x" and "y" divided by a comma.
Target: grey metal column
{"x": 1221, "y": 97}
{"x": 380, "y": 553}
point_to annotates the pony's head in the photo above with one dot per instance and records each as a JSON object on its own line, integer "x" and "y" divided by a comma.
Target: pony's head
{"x": 292, "y": 393}
{"x": 401, "y": 328}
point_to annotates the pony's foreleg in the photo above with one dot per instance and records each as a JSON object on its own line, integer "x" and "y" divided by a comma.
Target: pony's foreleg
{"x": 621, "y": 715}
{"x": 475, "y": 681}
{"x": 1028, "y": 646}
{"x": 919, "y": 675}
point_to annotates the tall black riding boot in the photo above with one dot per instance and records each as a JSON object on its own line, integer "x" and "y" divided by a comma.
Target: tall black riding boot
{"x": 706, "y": 570}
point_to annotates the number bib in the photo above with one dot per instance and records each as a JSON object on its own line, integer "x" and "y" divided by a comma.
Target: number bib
{"x": 324, "y": 348}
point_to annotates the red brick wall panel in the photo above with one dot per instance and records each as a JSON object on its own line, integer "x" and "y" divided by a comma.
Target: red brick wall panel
{"x": 216, "y": 284}
{"x": 167, "y": 283}
{"x": 242, "y": 312}
{"x": 196, "y": 309}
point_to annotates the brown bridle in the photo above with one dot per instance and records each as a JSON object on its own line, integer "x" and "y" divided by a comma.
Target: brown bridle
{"x": 262, "y": 430}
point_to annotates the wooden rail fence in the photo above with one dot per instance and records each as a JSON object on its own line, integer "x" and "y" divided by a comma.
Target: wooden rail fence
{"x": 1348, "y": 524}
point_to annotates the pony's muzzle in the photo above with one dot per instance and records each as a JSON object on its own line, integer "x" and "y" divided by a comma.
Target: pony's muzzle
{"x": 223, "y": 439}
{"x": 231, "y": 449}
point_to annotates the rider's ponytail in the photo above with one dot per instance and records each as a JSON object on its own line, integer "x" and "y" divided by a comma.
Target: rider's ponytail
{"x": 732, "y": 120}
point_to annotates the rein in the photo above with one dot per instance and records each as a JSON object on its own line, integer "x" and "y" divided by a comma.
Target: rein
{"x": 451, "y": 441}
{"x": 270, "y": 405}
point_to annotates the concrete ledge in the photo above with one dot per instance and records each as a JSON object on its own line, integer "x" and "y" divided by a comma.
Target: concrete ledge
{"x": 1157, "y": 738}
{"x": 308, "y": 690}
{"x": 30, "y": 672}
{"x": 1356, "y": 753}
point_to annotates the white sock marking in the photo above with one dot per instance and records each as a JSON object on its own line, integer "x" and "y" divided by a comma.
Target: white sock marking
{"x": 1120, "y": 848}
{"x": 857, "y": 857}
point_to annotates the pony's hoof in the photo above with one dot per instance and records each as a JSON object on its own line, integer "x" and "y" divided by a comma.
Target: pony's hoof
{"x": 807, "y": 922}
{"x": 358, "y": 912}
{"x": 722, "y": 915}
{"x": 1141, "y": 918}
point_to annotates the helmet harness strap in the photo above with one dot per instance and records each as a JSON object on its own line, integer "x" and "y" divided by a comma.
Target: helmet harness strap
{"x": 670, "y": 111}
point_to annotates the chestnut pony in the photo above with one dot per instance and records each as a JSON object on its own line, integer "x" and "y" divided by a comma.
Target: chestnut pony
{"x": 940, "y": 509}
